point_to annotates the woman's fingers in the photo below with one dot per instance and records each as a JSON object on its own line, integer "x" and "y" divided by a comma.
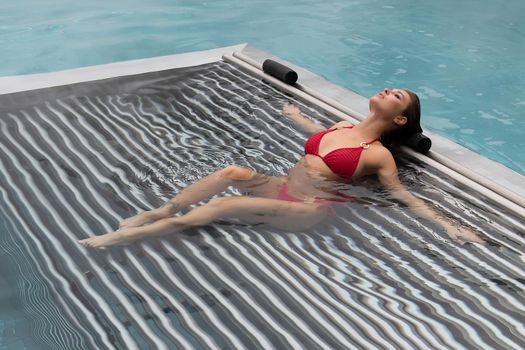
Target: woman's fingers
{"x": 465, "y": 235}
{"x": 289, "y": 108}
{"x": 470, "y": 236}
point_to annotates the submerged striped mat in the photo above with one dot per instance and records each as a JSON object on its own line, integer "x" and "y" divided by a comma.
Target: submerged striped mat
{"x": 75, "y": 160}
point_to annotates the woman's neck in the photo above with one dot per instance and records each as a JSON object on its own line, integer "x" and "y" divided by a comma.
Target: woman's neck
{"x": 372, "y": 127}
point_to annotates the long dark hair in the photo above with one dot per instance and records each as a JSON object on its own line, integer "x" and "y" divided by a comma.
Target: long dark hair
{"x": 396, "y": 138}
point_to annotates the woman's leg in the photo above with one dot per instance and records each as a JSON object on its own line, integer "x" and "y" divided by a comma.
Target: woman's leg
{"x": 242, "y": 178}
{"x": 281, "y": 214}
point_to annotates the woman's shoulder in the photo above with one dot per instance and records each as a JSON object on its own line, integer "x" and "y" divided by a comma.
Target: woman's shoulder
{"x": 342, "y": 124}
{"x": 379, "y": 149}
{"x": 379, "y": 156}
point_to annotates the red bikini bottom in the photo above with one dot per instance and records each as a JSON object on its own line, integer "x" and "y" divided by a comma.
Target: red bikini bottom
{"x": 285, "y": 196}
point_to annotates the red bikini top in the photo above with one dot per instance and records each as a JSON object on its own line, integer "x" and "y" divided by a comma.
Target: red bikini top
{"x": 342, "y": 161}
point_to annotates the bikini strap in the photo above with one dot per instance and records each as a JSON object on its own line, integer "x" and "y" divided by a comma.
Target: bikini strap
{"x": 348, "y": 127}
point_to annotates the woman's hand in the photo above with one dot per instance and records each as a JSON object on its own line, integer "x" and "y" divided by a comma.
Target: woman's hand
{"x": 463, "y": 234}
{"x": 291, "y": 109}
{"x": 294, "y": 113}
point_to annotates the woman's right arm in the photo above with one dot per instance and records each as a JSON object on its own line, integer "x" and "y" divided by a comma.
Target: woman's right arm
{"x": 294, "y": 113}
{"x": 387, "y": 174}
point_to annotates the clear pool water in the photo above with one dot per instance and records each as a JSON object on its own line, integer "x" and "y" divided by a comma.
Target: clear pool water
{"x": 77, "y": 159}
{"x": 465, "y": 59}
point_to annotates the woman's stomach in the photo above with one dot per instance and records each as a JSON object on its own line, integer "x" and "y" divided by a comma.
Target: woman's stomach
{"x": 308, "y": 179}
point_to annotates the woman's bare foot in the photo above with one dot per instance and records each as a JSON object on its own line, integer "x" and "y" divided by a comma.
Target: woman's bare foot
{"x": 109, "y": 239}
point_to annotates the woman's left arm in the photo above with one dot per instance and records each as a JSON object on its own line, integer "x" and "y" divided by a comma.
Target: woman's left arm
{"x": 388, "y": 176}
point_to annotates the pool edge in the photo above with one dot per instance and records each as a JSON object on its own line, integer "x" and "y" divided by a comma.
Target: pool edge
{"x": 19, "y": 83}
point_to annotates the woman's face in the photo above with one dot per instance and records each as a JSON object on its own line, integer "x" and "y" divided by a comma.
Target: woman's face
{"x": 390, "y": 102}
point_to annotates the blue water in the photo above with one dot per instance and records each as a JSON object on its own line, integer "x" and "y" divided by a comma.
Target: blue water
{"x": 464, "y": 59}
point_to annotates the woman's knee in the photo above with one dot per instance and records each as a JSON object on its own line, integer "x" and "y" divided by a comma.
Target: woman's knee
{"x": 237, "y": 173}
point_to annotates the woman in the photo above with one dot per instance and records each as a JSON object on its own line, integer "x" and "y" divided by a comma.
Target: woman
{"x": 303, "y": 198}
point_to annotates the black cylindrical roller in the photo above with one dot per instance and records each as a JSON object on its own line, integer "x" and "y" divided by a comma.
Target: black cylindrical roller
{"x": 419, "y": 142}
{"x": 279, "y": 71}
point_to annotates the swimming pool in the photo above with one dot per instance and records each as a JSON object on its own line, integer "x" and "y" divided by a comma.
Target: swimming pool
{"x": 462, "y": 58}
{"x": 75, "y": 159}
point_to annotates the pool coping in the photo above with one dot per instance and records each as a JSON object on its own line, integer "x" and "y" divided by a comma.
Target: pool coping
{"x": 441, "y": 146}
{"x": 19, "y": 83}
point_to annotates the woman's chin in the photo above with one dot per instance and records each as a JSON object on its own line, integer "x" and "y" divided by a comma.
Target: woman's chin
{"x": 374, "y": 102}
